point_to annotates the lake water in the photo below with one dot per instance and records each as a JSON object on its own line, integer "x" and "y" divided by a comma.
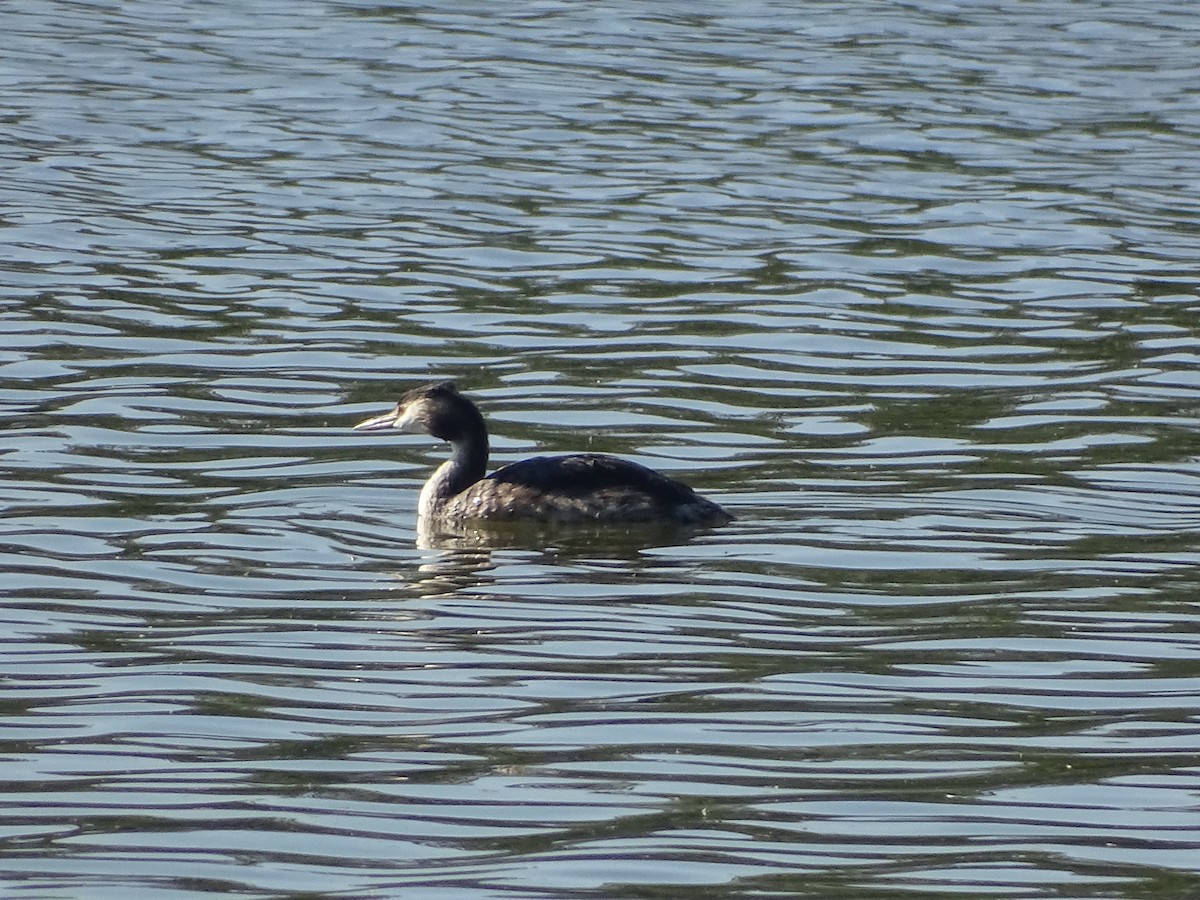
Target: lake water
{"x": 911, "y": 288}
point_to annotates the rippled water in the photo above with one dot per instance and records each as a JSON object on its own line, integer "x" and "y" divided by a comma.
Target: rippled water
{"x": 910, "y": 287}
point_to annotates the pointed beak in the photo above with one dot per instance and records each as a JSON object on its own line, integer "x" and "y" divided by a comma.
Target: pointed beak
{"x": 387, "y": 420}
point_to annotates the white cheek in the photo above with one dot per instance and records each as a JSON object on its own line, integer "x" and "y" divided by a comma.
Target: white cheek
{"x": 409, "y": 422}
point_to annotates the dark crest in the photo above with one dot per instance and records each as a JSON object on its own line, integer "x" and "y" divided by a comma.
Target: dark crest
{"x": 444, "y": 412}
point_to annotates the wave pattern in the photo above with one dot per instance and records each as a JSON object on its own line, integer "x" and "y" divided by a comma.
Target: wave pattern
{"x": 910, "y": 288}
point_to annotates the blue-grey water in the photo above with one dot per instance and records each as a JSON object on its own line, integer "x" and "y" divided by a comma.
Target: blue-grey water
{"x": 911, "y": 288}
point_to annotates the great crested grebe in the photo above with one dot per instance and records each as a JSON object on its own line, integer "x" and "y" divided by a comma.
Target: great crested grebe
{"x": 582, "y": 488}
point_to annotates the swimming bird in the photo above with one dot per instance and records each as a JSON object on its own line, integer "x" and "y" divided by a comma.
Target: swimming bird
{"x": 580, "y": 488}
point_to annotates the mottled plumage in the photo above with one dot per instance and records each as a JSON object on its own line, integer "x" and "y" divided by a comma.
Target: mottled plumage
{"x": 586, "y": 487}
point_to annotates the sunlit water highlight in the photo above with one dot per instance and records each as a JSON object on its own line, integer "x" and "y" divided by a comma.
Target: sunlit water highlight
{"x": 911, "y": 288}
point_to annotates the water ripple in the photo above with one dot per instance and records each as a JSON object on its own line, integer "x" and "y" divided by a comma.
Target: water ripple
{"x": 910, "y": 290}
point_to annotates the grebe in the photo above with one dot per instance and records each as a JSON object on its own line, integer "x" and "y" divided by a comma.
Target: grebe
{"x": 586, "y": 487}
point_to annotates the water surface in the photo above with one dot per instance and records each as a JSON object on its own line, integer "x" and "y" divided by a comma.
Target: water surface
{"x": 909, "y": 288}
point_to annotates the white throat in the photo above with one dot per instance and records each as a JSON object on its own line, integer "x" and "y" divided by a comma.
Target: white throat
{"x": 437, "y": 489}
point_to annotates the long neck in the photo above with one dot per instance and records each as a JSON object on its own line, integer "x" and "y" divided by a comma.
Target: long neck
{"x": 467, "y": 464}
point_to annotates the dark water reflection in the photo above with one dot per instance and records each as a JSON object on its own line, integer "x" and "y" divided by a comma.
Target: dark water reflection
{"x": 910, "y": 288}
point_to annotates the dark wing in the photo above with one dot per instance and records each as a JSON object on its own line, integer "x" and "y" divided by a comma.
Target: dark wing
{"x": 587, "y": 473}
